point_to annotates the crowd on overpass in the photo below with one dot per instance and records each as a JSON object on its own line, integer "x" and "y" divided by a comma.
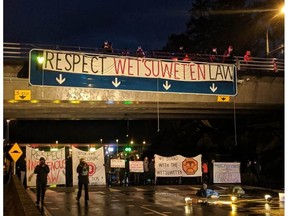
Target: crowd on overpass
{"x": 244, "y": 62}
{"x": 227, "y": 57}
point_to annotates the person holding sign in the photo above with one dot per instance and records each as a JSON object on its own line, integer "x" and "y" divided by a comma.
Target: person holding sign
{"x": 83, "y": 179}
{"x": 42, "y": 170}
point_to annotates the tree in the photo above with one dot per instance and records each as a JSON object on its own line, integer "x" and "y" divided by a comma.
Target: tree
{"x": 220, "y": 23}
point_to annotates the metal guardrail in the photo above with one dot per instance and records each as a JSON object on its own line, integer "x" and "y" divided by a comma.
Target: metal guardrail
{"x": 20, "y": 51}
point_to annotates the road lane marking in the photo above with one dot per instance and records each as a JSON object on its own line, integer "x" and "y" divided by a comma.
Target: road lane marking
{"x": 172, "y": 189}
{"x": 129, "y": 200}
{"x": 223, "y": 188}
{"x": 114, "y": 190}
{"x": 139, "y": 189}
{"x": 130, "y": 206}
{"x": 194, "y": 188}
{"x": 151, "y": 210}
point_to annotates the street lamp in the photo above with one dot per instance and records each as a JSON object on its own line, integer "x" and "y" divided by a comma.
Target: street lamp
{"x": 117, "y": 145}
{"x": 8, "y": 128}
{"x": 282, "y": 11}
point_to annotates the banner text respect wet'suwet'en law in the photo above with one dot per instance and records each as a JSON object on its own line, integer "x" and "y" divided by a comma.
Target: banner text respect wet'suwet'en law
{"x": 131, "y": 73}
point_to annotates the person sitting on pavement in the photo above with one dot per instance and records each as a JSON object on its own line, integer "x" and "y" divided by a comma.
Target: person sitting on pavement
{"x": 205, "y": 192}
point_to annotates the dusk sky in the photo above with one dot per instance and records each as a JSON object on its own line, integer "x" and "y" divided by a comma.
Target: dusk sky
{"x": 89, "y": 23}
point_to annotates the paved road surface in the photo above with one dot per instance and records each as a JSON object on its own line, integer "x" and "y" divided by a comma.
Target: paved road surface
{"x": 156, "y": 200}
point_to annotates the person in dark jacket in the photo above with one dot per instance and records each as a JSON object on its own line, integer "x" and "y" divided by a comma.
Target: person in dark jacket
{"x": 152, "y": 170}
{"x": 228, "y": 56}
{"x": 42, "y": 170}
{"x": 83, "y": 179}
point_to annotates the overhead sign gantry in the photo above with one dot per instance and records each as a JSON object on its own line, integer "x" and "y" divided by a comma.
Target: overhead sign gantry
{"x": 90, "y": 70}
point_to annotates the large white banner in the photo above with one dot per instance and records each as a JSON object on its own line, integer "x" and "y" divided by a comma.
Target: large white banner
{"x": 54, "y": 159}
{"x": 96, "y": 163}
{"x": 226, "y": 172}
{"x": 104, "y": 65}
{"x": 178, "y": 166}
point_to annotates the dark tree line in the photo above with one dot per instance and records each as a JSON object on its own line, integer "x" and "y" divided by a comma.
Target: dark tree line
{"x": 241, "y": 23}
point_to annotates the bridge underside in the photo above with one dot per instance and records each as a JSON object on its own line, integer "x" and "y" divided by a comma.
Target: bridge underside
{"x": 257, "y": 95}
{"x": 119, "y": 111}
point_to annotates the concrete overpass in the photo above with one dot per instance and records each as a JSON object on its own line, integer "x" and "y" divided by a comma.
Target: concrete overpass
{"x": 260, "y": 92}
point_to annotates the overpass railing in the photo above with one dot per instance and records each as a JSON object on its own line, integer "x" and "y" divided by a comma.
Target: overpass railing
{"x": 20, "y": 51}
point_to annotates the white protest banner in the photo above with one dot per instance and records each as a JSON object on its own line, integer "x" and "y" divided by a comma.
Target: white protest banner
{"x": 226, "y": 172}
{"x": 54, "y": 159}
{"x": 136, "y": 166}
{"x": 178, "y": 166}
{"x": 82, "y": 63}
{"x": 117, "y": 163}
{"x": 95, "y": 160}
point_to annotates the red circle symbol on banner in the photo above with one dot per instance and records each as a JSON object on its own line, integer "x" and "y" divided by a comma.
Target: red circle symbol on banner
{"x": 190, "y": 166}
{"x": 92, "y": 168}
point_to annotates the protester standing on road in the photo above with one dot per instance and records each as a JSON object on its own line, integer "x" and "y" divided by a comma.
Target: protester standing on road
{"x": 83, "y": 179}
{"x": 146, "y": 169}
{"x": 22, "y": 169}
{"x": 152, "y": 170}
{"x": 42, "y": 170}
{"x": 205, "y": 177}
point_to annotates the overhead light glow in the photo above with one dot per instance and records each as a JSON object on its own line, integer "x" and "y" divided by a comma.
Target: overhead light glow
{"x": 109, "y": 102}
{"x": 54, "y": 149}
{"x": 56, "y": 101}
{"x": 40, "y": 59}
{"x": 110, "y": 149}
{"x": 12, "y": 101}
{"x": 127, "y": 102}
{"x": 92, "y": 149}
{"x": 34, "y": 101}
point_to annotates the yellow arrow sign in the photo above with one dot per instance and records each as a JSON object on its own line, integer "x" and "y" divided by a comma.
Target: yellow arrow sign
{"x": 223, "y": 98}
{"x": 22, "y": 94}
{"x": 15, "y": 152}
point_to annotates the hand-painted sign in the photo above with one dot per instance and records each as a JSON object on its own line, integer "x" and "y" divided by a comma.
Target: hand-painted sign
{"x": 95, "y": 160}
{"x": 55, "y": 160}
{"x": 117, "y": 163}
{"x": 178, "y": 166}
{"x": 226, "y": 172}
{"x": 88, "y": 70}
{"x": 136, "y": 166}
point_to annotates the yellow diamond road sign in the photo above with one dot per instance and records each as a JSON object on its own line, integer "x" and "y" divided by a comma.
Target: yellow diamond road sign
{"x": 15, "y": 152}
